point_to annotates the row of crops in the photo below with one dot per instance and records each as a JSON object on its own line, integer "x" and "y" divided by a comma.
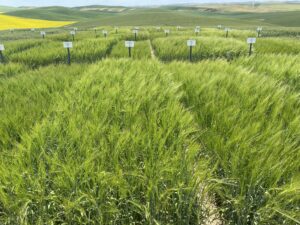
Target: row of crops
{"x": 149, "y": 32}
{"x": 143, "y": 33}
{"x": 35, "y": 53}
{"x": 141, "y": 142}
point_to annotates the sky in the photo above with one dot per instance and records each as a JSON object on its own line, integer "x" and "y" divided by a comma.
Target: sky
{"x": 104, "y": 2}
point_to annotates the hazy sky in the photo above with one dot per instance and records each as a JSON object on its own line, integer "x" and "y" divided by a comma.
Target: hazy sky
{"x": 102, "y": 2}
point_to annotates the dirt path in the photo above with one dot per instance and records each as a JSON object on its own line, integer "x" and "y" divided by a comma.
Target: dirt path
{"x": 152, "y": 51}
{"x": 213, "y": 217}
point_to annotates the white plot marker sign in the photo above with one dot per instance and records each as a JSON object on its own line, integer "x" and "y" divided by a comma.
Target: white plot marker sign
{"x": 73, "y": 34}
{"x": 1, "y": 52}
{"x": 167, "y": 32}
{"x": 43, "y": 34}
{"x": 68, "y": 46}
{"x": 226, "y": 32}
{"x": 135, "y": 32}
{"x": 219, "y": 27}
{"x": 191, "y": 44}
{"x": 251, "y": 42}
{"x": 259, "y": 30}
{"x": 105, "y": 32}
{"x": 197, "y": 31}
{"x": 129, "y": 45}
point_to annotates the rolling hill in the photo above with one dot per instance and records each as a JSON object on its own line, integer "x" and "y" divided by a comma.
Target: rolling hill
{"x": 59, "y": 13}
{"x": 287, "y": 19}
{"x": 168, "y": 18}
{"x": 8, "y": 8}
{"x": 235, "y": 15}
{"x": 104, "y": 8}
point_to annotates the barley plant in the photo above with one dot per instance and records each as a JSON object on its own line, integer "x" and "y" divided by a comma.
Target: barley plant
{"x": 115, "y": 147}
{"x": 27, "y": 98}
{"x": 141, "y": 36}
{"x": 12, "y": 47}
{"x": 278, "y": 46}
{"x": 52, "y": 52}
{"x": 11, "y": 69}
{"x": 142, "y": 141}
{"x": 168, "y": 49}
{"x": 283, "y": 67}
{"x": 141, "y": 50}
{"x": 252, "y": 130}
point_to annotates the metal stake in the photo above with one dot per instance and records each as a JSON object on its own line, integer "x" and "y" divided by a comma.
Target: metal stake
{"x": 1, "y": 57}
{"x": 129, "y": 51}
{"x": 250, "y": 49}
{"x": 69, "y": 56}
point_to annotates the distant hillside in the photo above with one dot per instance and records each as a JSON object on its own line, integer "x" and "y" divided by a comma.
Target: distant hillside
{"x": 257, "y": 8}
{"x": 7, "y": 8}
{"x": 287, "y": 19}
{"x": 103, "y": 8}
{"x": 283, "y": 14}
{"x": 276, "y": 14}
{"x": 167, "y": 17}
{"x": 59, "y": 13}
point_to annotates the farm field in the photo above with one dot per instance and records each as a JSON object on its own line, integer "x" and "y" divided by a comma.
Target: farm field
{"x": 12, "y": 22}
{"x": 163, "y": 136}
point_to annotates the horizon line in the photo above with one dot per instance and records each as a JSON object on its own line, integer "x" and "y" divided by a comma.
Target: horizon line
{"x": 217, "y": 2}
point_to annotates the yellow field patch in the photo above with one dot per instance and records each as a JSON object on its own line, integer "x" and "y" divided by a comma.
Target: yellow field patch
{"x": 12, "y": 22}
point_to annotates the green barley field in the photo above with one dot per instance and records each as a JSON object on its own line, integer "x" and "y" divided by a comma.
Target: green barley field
{"x": 156, "y": 138}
